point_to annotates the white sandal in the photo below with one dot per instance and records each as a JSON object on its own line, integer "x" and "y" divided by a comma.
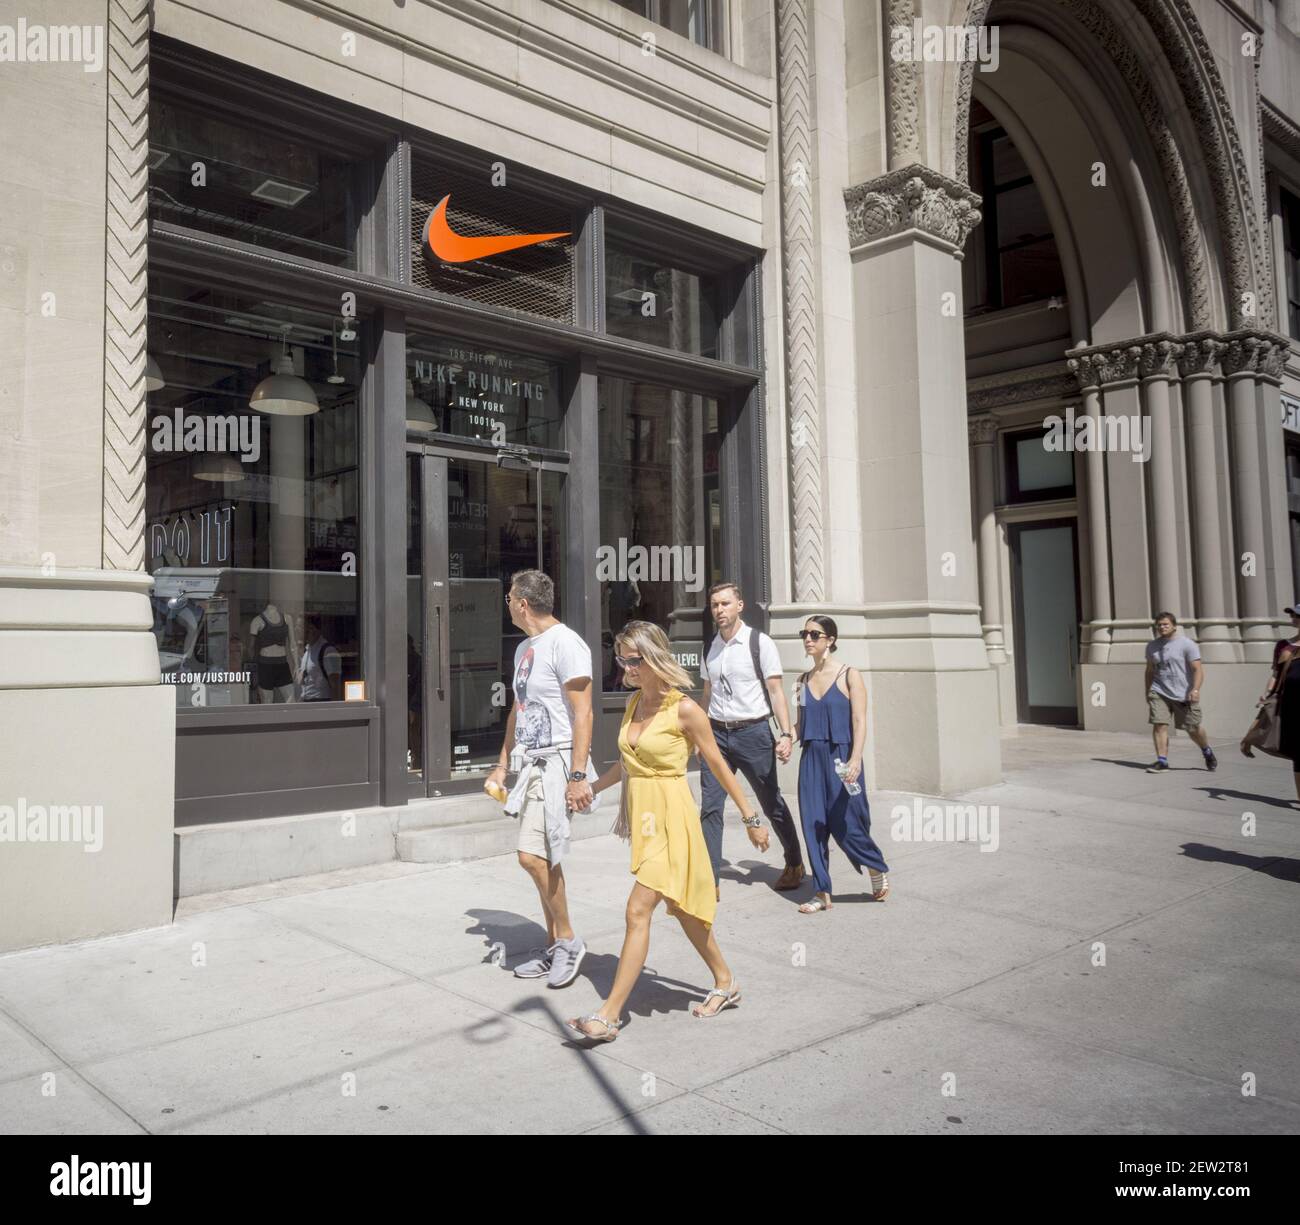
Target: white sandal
{"x": 818, "y": 903}
{"x": 730, "y": 998}
{"x": 611, "y": 1028}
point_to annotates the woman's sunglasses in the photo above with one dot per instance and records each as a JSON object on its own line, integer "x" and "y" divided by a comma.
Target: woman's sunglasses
{"x": 814, "y": 635}
{"x": 628, "y": 661}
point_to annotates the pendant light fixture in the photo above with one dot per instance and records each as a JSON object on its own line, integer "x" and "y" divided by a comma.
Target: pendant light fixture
{"x": 219, "y": 466}
{"x": 283, "y": 393}
{"x": 336, "y": 377}
{"x": 153, "y": 375}
{"x": 419, "y": 415}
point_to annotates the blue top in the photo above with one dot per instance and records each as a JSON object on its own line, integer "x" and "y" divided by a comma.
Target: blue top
{"x": 829, "y": 717}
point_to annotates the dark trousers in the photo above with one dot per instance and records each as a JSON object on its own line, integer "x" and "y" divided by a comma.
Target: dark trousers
{"x": 751, "y": 753}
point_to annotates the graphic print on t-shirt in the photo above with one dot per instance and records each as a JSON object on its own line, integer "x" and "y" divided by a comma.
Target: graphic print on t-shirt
{"x": 533, "y": 723}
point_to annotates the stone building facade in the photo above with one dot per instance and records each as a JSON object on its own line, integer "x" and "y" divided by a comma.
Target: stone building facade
{"x": 896, "y": 243}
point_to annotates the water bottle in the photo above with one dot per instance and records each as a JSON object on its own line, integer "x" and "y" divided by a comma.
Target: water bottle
{"x": 841, "y": 769}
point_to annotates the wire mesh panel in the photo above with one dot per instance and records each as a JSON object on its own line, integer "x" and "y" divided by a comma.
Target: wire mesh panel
{"x": 537, "y": 278}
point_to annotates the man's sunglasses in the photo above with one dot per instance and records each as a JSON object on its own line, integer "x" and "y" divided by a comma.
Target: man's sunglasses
{"x": 628, "y": 661}
{"x": 815, "y": 635}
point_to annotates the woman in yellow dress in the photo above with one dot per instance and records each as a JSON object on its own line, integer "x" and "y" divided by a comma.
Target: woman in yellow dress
{"x": 660, "y": 727}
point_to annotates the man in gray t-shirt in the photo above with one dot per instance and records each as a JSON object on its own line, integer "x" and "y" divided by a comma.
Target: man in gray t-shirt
{"x": 1173, "y": 684}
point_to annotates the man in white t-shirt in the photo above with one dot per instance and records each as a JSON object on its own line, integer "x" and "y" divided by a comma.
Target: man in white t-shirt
{"x": 740, "y": 703}
{"x": 550, "y": 724}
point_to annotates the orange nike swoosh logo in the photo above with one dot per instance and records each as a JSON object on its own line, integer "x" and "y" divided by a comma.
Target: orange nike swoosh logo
{"x": 453, "y": 248}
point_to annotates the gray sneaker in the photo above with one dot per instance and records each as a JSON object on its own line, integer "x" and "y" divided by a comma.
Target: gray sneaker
{"x": 539, "y": 966}
{"x": 566, "y": 957}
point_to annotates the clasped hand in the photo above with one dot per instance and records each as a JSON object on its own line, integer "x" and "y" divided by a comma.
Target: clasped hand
{"x": 579, "y": 796}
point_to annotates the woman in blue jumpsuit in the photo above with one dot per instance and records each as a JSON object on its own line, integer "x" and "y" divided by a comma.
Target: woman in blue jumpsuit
{"x": 832, "y": 726}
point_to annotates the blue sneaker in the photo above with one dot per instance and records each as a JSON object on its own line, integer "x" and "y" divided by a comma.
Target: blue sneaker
{"x": 566, "y": 957}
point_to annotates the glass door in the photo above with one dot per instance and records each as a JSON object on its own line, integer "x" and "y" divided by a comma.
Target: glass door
{"x": 474, "y": 521}
{"x": 1044, "y": 561}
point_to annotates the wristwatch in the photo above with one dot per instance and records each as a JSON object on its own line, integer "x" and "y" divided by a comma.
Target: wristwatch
{"x": 577, "y": 776}
{"x": 752, "y": 822}
{"x": 786, "y": 736}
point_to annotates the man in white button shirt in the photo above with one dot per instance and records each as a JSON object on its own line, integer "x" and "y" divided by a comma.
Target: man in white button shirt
{"x": 739, "y": 706}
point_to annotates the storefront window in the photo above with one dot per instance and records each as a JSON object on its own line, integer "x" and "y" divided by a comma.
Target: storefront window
{"x": 493, "y": 396}
{"x": 648, "y": 298}
{"x": 250, "y": 184}
{"x": 660, "y": 521}
{"x": 252, "y": 498}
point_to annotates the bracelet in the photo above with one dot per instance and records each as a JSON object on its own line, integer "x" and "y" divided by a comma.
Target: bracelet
{"x": 752, "y": 822}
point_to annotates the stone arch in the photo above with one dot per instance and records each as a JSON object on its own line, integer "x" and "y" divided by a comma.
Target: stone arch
{"x": 1220, "y": 165}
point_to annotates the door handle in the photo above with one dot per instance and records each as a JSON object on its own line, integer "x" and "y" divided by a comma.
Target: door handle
{"x": 437, "y": 646}
{"x": 1069, "y": 649}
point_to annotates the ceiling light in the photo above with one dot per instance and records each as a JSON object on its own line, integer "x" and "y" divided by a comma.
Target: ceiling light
{"x": 283, "y": 393}
{"x": 218, "y": 466}
{"x": 419, "y": 415}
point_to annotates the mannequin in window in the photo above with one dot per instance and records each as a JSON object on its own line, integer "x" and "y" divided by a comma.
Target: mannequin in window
{"x": 275, "y": 647}
{"x": 183, "y": 614}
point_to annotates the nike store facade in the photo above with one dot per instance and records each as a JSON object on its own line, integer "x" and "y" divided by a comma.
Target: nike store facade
{"x": 388, "y": 370}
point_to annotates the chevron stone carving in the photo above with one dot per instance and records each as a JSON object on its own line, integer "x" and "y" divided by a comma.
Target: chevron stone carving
{"x": 125, "y": 272}
{"x": 800, "y": 306}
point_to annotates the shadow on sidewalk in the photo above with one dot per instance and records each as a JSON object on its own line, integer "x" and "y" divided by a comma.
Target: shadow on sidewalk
{"x": 1277, "y": 867}
{"x": 1227, "y": 793}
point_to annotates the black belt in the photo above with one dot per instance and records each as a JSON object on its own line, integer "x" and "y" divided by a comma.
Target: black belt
{"x": 735, "y": 725}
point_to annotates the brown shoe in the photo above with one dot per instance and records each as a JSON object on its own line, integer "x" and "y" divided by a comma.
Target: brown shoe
{"x": 791, "y": 878}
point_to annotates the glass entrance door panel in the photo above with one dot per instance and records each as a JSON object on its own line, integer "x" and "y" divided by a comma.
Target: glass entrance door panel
{"x": 499, "y": 521}
{"x": 1047, "y": 618}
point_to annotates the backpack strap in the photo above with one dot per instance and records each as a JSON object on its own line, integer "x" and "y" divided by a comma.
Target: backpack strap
{"x": 755, "y": 646}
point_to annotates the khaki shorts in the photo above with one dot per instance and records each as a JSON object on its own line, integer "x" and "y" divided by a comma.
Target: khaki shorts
{"x": 1185, "y": 716}
{"x": 532, "y": 819}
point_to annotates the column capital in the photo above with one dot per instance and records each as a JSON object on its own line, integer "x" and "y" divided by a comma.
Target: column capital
{"x": 1201, "y": 353}
{"x": 981, "y": 430}
{"x": 1160, "y": 358}
{"x": 1095, "y": 367}
{"x": 1252, "y": 351}
{"x": 911, "y": 198}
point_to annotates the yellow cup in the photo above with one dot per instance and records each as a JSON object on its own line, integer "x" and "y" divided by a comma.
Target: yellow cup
{"x": 496, "y": 791}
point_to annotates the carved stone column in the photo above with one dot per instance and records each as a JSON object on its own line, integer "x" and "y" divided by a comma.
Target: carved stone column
{"x": 798, "y": 261}
{"x": 1198, "y": 364}
{"x": 1157, "y": 368}
{"x": 926, "y": 649}
{"x": 125, "y": 302}
{"x": 1094, "y": 464}
{"x": 1241, "y": 361}
{"x": 982, "y": 433}
{"x": 1115, "y": 370}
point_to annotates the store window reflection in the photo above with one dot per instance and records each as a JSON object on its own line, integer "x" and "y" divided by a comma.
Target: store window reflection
{"x": 252, "y": 498}
{"x": 660, "y": 515}
{"x": 247, "y": 182}
{"x": 651, "y": 299}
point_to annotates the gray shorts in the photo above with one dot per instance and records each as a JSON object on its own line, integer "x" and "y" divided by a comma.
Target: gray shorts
{"x": 532, "y": 819}
{"x": 1185, "y": 716}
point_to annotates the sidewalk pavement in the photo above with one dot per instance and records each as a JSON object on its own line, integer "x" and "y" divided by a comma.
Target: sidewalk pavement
{"x": 973, "y": 1000}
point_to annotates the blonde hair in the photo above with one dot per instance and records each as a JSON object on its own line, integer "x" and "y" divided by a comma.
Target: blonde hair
{"x": 652, "y": 645}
